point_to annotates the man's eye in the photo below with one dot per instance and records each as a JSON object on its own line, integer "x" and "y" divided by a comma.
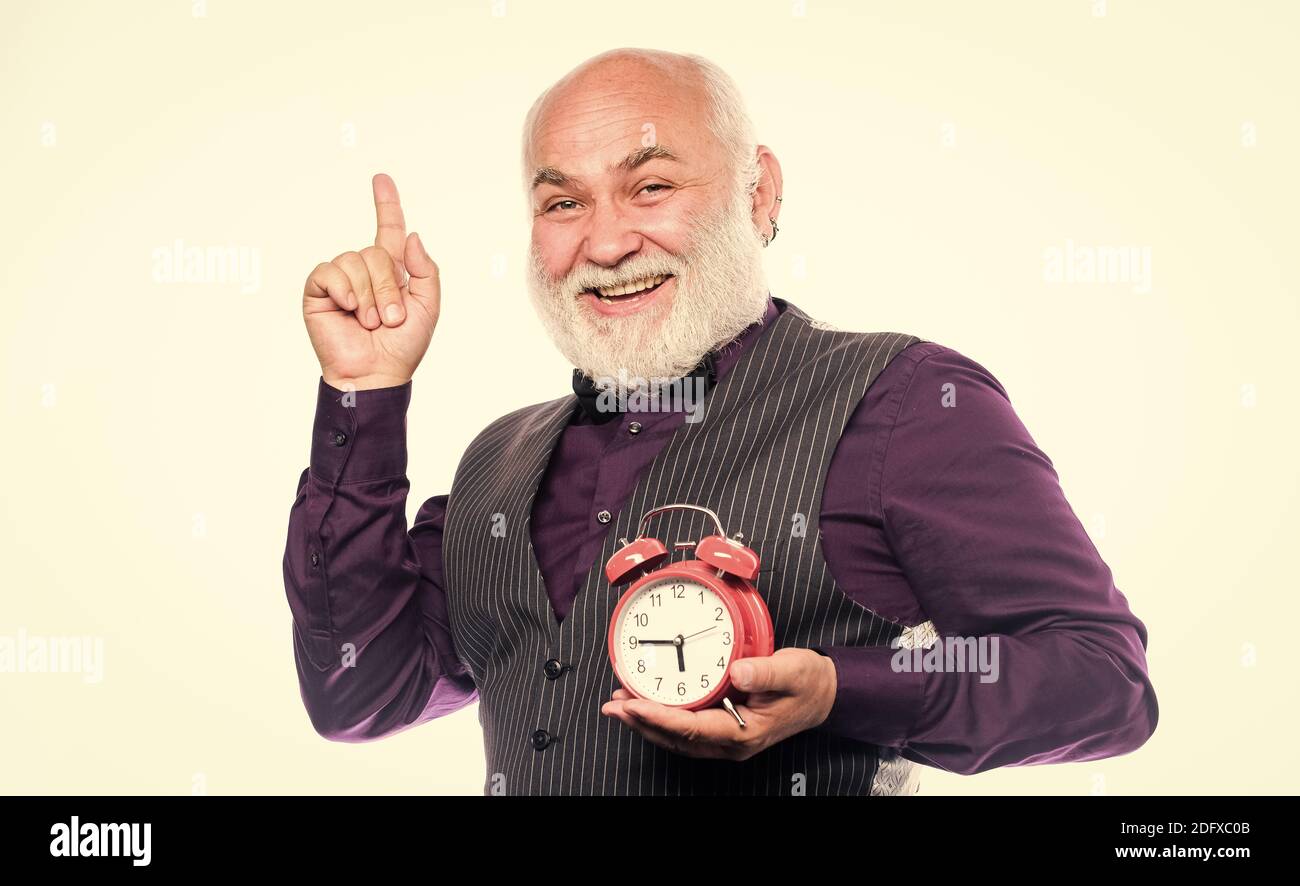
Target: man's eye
{"x": 571, "y": 203}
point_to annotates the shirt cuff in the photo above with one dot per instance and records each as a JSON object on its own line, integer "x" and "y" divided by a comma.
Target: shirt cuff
{"x": 873, "y": 702}
{"x": 359, "y": 435}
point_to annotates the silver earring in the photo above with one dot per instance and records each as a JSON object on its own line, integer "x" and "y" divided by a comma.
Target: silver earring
{"x": 766, "y": 239}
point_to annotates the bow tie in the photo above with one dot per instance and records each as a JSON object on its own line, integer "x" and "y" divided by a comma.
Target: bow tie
{"x": 601, "y": 410}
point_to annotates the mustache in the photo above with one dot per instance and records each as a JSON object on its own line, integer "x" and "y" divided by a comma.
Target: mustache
{"x": 584, "y": 279}
{"x": 703, "y": 227}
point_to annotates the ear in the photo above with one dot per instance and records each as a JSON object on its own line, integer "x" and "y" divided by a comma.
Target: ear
{"x": 765, "y": 205}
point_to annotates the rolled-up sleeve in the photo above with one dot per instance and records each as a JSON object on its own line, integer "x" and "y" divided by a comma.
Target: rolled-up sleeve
{"x": 372, "y": 641}
{"x": 976, "y": 518}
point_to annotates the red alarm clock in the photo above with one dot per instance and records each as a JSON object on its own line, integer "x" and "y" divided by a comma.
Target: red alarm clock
{"x": 678, "y": 628}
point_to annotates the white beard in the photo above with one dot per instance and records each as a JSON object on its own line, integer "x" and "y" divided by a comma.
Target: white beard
{"x": 720, "y": 285}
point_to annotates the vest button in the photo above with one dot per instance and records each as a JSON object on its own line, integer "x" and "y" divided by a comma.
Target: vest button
{"x": 553, "y": 668}
{"x": 339, "y": 438}
{"x": 541, "y": 738}
{"x": 634, "y": 427}
{"x": 604, "y": 517}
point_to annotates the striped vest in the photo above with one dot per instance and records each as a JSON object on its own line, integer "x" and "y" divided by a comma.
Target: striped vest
{"x": 758, "y": 458}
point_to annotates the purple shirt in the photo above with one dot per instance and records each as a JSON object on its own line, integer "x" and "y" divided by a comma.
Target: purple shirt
{"x": 934, "y": 508}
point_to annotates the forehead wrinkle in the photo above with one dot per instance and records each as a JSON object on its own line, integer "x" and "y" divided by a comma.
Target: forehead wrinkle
{"x": 631, "y": 124}
{"x": 594, "y": 126}
{"x": 568, "y": 112}
{"x": 574, "y": 102}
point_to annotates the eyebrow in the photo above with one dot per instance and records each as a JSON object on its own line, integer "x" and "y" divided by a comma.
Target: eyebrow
{"x": 549, "y": 175}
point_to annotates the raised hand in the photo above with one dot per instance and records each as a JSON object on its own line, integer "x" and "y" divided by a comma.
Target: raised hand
{"x": 370, "y": 314}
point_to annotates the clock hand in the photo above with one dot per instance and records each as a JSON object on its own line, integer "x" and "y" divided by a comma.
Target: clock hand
{"x": 681, "y": 657}
{"x": 658, "y": 642}
{"x": 697, "y": 633}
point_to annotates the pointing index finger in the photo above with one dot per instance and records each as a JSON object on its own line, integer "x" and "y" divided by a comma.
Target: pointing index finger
{"x": 390, "y": 223}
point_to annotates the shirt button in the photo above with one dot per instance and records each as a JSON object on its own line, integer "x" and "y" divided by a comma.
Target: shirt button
{"x": 540, "y": 739}
{"x": 339, "y": 438}
{"x": 634, "y": 428}
{"x": 604, "y": 517}
{"x": 315, "y": 559}
{"x": 553, "y": 668}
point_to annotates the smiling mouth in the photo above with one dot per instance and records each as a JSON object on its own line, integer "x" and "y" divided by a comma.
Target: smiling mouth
{"x": 614, "y": 294}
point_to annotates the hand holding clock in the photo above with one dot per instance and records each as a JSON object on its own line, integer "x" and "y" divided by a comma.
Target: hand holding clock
{"x": 789, "y": 692}
{"x": 766, "y": 695}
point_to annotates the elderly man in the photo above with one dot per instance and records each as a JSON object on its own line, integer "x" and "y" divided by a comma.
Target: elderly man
{"x": 895, "y": 499}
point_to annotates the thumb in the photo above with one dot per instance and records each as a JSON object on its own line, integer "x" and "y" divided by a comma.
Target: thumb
{"x": 756, "y": 674}
{"x": 423, "y": 270}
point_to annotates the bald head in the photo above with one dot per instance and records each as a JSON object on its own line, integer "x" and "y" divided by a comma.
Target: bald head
{"x": 688, "y": 89}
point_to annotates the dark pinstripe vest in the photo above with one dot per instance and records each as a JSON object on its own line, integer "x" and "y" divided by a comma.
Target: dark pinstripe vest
{"x": 759, "y": 459}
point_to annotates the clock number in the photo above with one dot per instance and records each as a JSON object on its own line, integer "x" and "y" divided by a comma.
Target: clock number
{"x": 658, "y": 682}
{"x": 656, "y": 600}
{"x": 704, "y": 681}
{"x": 640, "y": 665}
{"x": 642, "y": 619}
{"x": 681, "y": 688}
{"x": 719, "y": 616}
{"x": 726, "y": 638}
{"x": 721, "y": 663}
{"x": 679, "y": 592}
{"x": 631, "y": 642}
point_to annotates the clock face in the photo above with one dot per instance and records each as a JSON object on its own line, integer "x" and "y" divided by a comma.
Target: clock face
{"x": 675, "y": 639}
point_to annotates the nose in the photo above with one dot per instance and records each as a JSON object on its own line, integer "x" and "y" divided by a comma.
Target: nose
{"x": 611, "y": 237}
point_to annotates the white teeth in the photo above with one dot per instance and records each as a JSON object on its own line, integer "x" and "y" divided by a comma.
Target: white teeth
{"x": 629, "y": 288}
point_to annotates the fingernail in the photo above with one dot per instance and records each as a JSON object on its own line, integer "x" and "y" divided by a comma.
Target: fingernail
{"x": 372, "y": 317}
{"x": 393, "y": 313}
{"x": 351, "y": 300}
{"x": 741, "y": 674}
